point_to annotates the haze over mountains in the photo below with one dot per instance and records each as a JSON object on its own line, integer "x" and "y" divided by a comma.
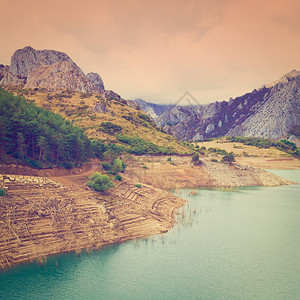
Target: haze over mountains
{"x": 269, "y": 112}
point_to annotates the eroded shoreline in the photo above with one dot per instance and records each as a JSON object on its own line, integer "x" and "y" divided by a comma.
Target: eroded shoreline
{"x": 42, "y": 215}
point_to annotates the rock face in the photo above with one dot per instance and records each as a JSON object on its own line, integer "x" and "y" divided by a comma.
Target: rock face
{"x": 49, "y": 69}
{"x": 96, "y": 80}
{"x": 154, "y": 110}
{"x": 269, "y": 112}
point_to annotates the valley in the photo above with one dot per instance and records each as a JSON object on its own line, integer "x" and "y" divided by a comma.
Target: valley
{"x": 59, "y": 126}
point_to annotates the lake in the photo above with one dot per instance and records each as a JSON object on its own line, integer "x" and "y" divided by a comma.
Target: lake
{"x": 240, "y": 243}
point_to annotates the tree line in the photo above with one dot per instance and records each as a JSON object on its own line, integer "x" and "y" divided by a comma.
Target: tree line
{"x": 37, "y": 136}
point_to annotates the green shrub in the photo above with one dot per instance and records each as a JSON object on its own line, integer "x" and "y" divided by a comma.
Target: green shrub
{"x": 214, "y": 160}
{"x": 110, "y": 128}
{"x": 195, "y": 160}
{"x": 229, "y": 158}
{"x": 2, "y": 192}
{"x": 138, "y": 185}
{"x": 145, "y": 167}
{"x": 34, "y": 163}
{"x": 118, "y": 177}
{"x": 100, "y": 182}
{"x": 144, "y": 117}
{"x": 118, "y": 166}
{"x": 68, "y": 165}
{"x": 169, "y": 159}
{"x": 106, "y": 166}
{"x": 140, "y": 146}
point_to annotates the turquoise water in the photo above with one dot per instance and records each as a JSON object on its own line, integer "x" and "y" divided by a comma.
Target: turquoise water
{"x": 228, "y": 244}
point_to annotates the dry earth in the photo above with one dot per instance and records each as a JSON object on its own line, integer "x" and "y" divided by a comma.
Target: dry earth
{"x": 42, "y": 216}
{"x": 53, "y": 211}
{"x": 180, "y": 173}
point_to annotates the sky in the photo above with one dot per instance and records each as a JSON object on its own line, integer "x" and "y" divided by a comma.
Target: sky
{"x": 159, "y": 50}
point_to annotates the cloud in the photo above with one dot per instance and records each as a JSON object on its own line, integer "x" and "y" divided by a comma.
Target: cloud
{"x": 157, "y": 50}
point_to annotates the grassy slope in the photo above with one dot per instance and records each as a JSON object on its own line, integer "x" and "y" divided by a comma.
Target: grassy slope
{"x": 240, "y": 149}
{"x": 79, "y": 108}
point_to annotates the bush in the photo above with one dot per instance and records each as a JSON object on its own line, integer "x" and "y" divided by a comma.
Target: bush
{"x": 229, "y": 158}
{"x": 118, "y": 166}
{"x": 100, "y": 182}
{"x": 68, "y": 165}
{"x": 195, "y": 160}
{"x": 106, "y": 166}
{"x": 2, "y": 192}
{"x": 110, "y": 128}
{"x": 118, "y": 177}
{"x": 138, "y": 185}
{"x": 34, "y": 163}
{"x": 144, "y": 117}
{"x": 169, "y": 159}
{"x": 214, "y": 160}
{"x": 145, "y": 167}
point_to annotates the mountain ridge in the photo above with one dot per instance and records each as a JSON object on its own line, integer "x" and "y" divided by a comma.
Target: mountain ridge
{"x": 269, "y": 112}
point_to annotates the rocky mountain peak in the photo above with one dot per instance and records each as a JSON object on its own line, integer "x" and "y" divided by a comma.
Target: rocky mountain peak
{"x": 28, "y": 66}
{"x": 285, "y": 78}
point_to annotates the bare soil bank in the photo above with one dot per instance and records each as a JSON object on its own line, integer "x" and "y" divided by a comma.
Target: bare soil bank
{"x": 180, "y": 173}
{"x": 56, "y": 212}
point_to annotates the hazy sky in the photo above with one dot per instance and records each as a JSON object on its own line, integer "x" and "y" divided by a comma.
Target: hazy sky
{"x": 157, "y": 50}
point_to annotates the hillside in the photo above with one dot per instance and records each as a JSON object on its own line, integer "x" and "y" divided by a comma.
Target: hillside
{"x": 62, "y": 122}
{"x": 269, "y": 112}
{"x": 104, "y": 116}
{"x": 54, "y": 82}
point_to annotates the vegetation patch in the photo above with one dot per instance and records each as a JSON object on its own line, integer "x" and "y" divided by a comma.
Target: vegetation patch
{"x": 36, "y": 136}
{"x": 196, "y": 161}
{"x": 110, "y": 128}
{"x": 229, "y": 158}
{"x": 140, "y": 146}
{"x": 283, "y": 145}
{"x": 99, "y": 182}
{"x": 2, "y": 192}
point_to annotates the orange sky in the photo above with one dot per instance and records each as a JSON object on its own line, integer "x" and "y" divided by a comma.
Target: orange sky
{"x": 157, "y": 50}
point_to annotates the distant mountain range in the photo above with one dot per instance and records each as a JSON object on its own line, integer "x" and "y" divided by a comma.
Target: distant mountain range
{"x": 269, "y": 112}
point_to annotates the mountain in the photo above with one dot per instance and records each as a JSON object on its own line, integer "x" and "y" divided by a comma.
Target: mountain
{"x": 152, "y": 109}
{"x": 32, "y": 68}
{"x": 269, "y": 112}
{"x": 51, "y": 80}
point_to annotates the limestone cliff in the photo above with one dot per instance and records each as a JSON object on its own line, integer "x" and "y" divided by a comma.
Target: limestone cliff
{"x": 32, "y": 68}
{"x": 269, "y": 112}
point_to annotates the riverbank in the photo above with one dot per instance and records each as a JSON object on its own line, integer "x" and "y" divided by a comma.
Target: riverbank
{"x": 56, "y": 212}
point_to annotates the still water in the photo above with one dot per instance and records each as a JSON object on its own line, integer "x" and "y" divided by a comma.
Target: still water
{"x": 239, "y": 243}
